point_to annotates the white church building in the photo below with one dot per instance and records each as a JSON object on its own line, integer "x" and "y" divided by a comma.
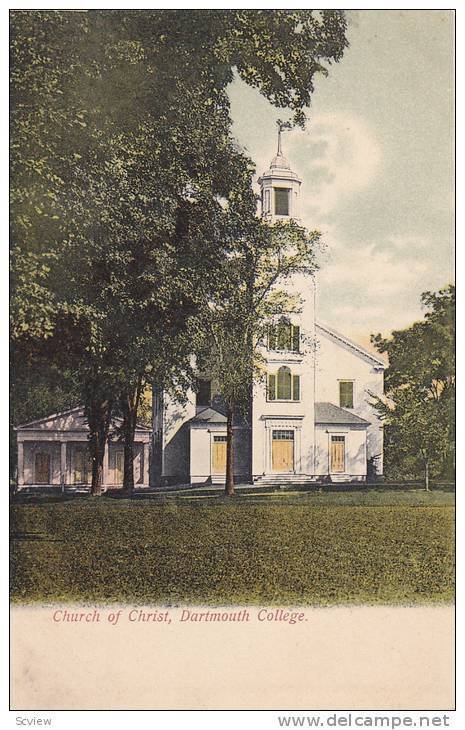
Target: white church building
{"x": 311, "y": 419}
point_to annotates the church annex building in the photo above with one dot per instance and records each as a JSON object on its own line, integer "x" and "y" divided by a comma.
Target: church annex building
{"x": 311, "y": 417}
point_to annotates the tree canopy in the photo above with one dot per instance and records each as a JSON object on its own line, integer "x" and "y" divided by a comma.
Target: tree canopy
{"x": 418, "y": 408}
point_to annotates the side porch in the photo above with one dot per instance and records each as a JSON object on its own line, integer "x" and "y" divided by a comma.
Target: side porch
{"x": 53, "y": 452}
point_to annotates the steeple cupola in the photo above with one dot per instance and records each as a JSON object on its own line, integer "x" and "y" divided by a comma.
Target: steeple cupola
{"x": 280, "y": 186}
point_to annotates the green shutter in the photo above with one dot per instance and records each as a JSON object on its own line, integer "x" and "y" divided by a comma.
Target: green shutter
{"x": 271, "y": 387}
{"x": 272, "y": 338}
{"x": 295, "y": 338}
{"x": 296, "y": 387}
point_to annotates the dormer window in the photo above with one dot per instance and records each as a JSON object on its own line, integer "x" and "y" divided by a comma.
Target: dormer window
{"x": 284, "y": 337}
{"x": 281, "y": 201}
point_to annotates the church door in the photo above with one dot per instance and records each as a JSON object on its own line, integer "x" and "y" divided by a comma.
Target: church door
{"x": 338, "y": 447}
{"x": 219, "y": 455}
{"x": 42, "y": 468}
{"x": 282, "y": 454}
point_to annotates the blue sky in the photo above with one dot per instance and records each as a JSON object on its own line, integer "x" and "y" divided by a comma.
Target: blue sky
{"x": 377, "y": 164}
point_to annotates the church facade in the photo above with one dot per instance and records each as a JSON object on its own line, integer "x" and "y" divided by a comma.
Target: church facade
{"x": 311, "y": 417}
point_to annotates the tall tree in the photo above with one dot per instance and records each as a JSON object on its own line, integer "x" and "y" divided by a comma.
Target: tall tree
{"x": 418, "y": 407}
{"x": 237, "y": 313}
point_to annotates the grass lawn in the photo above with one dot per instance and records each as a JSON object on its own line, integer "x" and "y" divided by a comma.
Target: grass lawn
{"x": 315, "y": 549}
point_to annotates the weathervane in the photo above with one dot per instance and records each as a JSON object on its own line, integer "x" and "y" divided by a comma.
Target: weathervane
{"x": 282, "y": 126}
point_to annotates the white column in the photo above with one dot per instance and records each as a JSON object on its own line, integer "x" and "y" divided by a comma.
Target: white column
{"x": 145, "y": 465}
{"x": 63, "y": 463}
{"x": 105, "y": 465}
{"x": 20, "y": 464}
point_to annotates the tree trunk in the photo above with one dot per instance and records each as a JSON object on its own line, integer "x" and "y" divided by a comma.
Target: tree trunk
{"x": 98, "y": 412}
{"x": 229, "y": 485}
{"x": 427, "y": 475}
{"x": 129, "y": 402}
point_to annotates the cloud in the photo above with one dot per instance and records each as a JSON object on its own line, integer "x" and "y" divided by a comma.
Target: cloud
{"x": 338, "y": 157}
{"x": 377, "y": 287}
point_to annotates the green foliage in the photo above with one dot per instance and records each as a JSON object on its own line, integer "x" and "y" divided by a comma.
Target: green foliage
{"x": 127, "y": 187}
{"x": 232, "y": 553}
{"x": 418, "y": 410}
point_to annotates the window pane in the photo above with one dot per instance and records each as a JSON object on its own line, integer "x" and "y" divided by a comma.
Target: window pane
{"x": 284, "y": 336}
{"x": 203, "y": 396}
{"x": 284, "y": 384}
{"x": 346, "y": 394}
{"x": 281, "y": 435}
{"x": 281, "y": 201}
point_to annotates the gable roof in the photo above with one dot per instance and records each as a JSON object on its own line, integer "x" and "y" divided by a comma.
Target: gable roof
{"x": 329, "y": 413}
{"x": 342, "y": 339}
{"x": 209, "y": 415}
{"x": 73, "y": 419}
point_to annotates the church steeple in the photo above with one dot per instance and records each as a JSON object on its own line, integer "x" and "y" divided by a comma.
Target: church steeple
{"x": 280, "y": 186}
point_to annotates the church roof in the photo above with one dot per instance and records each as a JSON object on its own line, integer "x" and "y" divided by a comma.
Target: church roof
{"x": 280, "y": 161}
{"x": 331, "y": 414}
{"x": 342, "y": 339}
{"x": 72, "y": 419}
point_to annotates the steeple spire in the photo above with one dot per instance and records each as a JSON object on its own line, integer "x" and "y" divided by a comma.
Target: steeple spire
{"x": 282, "y": 126}
{"x": 280, "y": 160}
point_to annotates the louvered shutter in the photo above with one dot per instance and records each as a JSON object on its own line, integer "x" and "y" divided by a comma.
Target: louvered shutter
{"x": 295, "y": 338}
{"x": 271, "y": 387}
{"x": 296, "y": 387}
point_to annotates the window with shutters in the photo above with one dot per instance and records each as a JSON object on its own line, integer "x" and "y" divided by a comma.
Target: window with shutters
{"x": 281, "y": 201}
{"x": 284, "y": 337}
{"x": 283, "y": 385}
{"x": 346, "y": 393}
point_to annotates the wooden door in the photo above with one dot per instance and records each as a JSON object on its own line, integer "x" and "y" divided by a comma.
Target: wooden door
{"x": 119, "y": 466}
{"x": 219, "y": 455}
{"x": 338, "y": 448}
{"x": 282, "y": 454}
{"x": 42, "y": 468}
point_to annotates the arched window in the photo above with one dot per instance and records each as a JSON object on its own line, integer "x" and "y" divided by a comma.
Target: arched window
{"x": 283, "y": 385}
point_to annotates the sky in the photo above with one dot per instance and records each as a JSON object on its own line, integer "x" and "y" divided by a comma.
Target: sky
{"x": 377, "y": 163}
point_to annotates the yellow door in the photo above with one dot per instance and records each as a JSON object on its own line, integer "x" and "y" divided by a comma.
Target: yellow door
{"x": 282, "y": 454}
{"x": 219, "y": 455}
{"x": 337, "y": 454}
{"x": 42, "y": 468}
